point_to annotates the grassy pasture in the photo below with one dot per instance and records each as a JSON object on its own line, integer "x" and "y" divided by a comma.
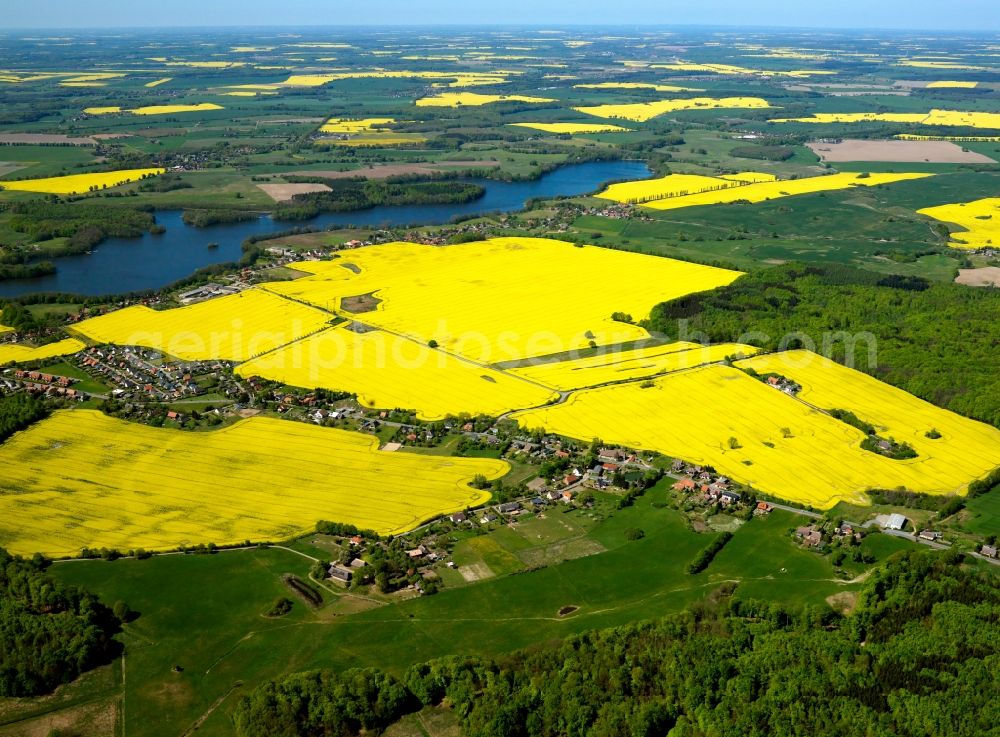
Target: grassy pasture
{"x": 985, "y": 514}
{"x": 204, "y": 612}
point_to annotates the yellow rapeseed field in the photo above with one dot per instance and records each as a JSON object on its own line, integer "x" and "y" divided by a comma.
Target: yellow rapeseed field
{"x": 733, "y": 69}
{"x": 373, "y": 140}
{"x": 643, "y": 111}
{"x": 945, "y": 83}
{"x": 14, "y": 353}
{"x": 778, "y": 444}
{"x": 762, "y": 191}
{"x": 93, "y": 77}
{"x": 636, "y": 86}
{"x": 82, "y": 479}
{"x": 934, "y": 117}
{"x": 629, "y": 364}
{"x": 158, "y": 82}
{"x": 388, "y": 371}
{"x": 171, "y": 109}
{"x": 678, "y": 185}
{"x": 503, "y": 298}
{"x": 472, "y": 99}
{"x": 80, "y": 183}
{"x": 940, "y": 65}
{"x": 235, "y": 327}
{"x": 365, "y": 132}
{"x": 201, "y": 64}
{"x": 155, "y": 109}
{"x": 980, "y": 218}
{"x": 346, "y": 125}
{"x": 572, "y": 128}
{"x": 457, "y": 79}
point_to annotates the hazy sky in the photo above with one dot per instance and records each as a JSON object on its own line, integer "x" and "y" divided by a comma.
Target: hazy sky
{"x": 983, "y": 15}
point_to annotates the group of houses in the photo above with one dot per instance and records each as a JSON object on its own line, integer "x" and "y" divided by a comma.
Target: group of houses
{"x": 705, "y": 485}
{"x": 137, "y": 371}
{"x": 37, "y": 382}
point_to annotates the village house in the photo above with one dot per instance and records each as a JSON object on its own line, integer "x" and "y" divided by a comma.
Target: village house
{"x": 418, "y": 552}
{"x": 458, "y": 517}
{"x": 989, "y": 551}
{"x": 809, "y": 536}
{"x": 931, "y": 535}
{"x": 728, "y": 497}
{"x": 762, "y": 509}
{"x": 508, "y": 507}
{"x": 611, "y": 455}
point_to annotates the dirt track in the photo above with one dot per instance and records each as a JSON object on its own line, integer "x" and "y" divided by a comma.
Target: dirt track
{"x": 934, "y": 152}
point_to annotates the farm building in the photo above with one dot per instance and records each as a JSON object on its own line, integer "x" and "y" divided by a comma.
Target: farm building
{"x": 339, "y": 574}
{"x": 894, "y": 522}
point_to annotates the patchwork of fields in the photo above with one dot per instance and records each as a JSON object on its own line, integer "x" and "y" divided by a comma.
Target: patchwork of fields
{"x": 461, "y": 296}
{"x": 386, "y": 370}
{"x": 82, "y": 479}
{"x": 780, "y": 445}
{"x": 934, "y": 117}
{"x": 630, "y": 364}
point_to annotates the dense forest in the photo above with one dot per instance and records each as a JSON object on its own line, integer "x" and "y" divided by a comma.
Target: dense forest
{"x": 83, "y": 227}
{"x": 49, "y": 633}
{"x": 17, "y": 411}
{"x": 347, "y": 195}
{"x": 919, "y": 656}
{"x": 937, "y": 341}
{"x": 205, "y": 218}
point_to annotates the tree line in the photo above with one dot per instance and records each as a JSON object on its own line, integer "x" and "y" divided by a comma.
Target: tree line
{"x": 906, "y": 315}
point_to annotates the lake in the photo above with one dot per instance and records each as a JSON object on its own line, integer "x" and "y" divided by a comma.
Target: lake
{"x": 122, "y": 265}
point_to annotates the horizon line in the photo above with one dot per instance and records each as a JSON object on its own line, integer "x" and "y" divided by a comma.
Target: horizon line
{"x": 484, "y": 25}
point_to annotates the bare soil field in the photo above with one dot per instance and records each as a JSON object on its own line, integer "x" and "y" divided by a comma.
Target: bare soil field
{"x": 360, "y": 303}
{"x": 934, "y": 152}
{"x": 285, "y": 192}
{"x": 29, "y": 139}
{"x": 987, "y": 276}
{"x": 384, "y": 171}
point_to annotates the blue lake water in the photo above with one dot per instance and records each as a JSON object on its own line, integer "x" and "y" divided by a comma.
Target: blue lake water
{"x": 122, "y": 265}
